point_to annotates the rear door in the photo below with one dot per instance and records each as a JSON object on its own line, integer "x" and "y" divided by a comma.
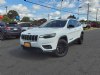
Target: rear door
{"x": 78, "y": 29}
{"x": 71, "y": 31}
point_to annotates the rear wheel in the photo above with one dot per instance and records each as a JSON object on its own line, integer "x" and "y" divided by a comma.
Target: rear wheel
{"x": 62, "y": 48}
{"x": 80, "y": 40}
{"x": 2, "y": 36}
{"x": 18, "y": 36}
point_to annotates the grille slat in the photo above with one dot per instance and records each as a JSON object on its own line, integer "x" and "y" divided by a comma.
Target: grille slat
{"x": 29, "y": 37}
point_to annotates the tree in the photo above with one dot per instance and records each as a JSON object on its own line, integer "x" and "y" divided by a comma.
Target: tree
{"x": 6, "y": 19}
{"x": 12, "y": 14}
{"x": 72, "y": 16}
{"x": 41, "y": 21}
{"x": 25, "y": 19}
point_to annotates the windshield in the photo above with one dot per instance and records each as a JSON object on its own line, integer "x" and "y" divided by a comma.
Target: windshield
{"x": 55, "y": 23}
{"x": 25, "y": 25}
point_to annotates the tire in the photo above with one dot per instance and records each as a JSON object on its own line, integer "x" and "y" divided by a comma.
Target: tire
{"x": 17, "y": 36}
{"x": 2, "y": 36}
{"x": 62, "y": 48}
{"x": 80, "y": 40}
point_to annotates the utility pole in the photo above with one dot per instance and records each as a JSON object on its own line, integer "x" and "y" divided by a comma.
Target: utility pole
{"x": 48, "y": 16}
{"x": 88, "y": 13}
{"x": 61, "y": 9}
{"x": 78, "y": 11}
{"x": 6, "y": 9}
{"x": 78, "y": 8}
{"x": 97, "y": 15}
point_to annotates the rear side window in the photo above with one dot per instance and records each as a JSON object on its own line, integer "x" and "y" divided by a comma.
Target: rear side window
{"x": 71, "y": 22}
{"x": 74, "y": 23}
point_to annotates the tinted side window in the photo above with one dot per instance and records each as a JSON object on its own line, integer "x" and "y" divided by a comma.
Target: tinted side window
{"x": 71, "y": 22}
{"x": 75, "y": 23}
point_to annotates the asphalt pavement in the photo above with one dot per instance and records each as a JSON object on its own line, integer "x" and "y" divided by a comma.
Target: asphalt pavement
{"x": 81, "y": 59}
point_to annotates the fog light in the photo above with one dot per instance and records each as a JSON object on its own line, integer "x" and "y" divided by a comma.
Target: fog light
{"x": 47, "y": 46}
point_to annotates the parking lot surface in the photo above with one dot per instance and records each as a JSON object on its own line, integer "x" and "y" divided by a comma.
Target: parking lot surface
{"x": 81, "y": 59}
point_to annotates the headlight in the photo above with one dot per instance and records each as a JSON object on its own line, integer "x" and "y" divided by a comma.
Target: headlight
{"x": 48, "y": 35}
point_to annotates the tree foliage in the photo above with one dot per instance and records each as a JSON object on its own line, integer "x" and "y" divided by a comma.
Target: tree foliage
{"x": 12, "y": 14}
{"x": 39, "y": 22}
{"x": 6, "y": 19}
{"x": 25, "y": 19}
{"x": 72, "y": 16}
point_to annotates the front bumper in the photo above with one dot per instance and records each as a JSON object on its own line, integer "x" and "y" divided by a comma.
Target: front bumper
{"x": 44, "y": 44}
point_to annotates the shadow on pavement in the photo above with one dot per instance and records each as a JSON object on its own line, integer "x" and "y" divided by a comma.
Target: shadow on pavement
{"x": 32, "y": 54}
{"x": 11, "y": 38}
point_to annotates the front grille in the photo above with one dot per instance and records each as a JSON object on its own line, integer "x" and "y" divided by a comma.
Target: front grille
{"x": 29, "y": 37}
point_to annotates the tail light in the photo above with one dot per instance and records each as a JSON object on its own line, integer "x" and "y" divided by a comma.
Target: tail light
{"x": 7, "y": 28}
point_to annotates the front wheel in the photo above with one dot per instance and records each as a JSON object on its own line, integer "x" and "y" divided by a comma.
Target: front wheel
{"x": 62, "y": 48}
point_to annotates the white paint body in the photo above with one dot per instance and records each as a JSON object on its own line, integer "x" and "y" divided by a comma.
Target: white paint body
{"x": 71, "y": 33}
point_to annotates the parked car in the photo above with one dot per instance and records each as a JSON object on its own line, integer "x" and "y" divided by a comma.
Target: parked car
{"x": 85, "y": 25}
{"x": 53, "y": 36}
{"x": 95, "y": 24}
{"x": 25, "y": 26}
{"x": 9, "y": 30}
{"x": 88, "y": 25}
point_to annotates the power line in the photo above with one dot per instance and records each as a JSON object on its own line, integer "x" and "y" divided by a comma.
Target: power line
{"x": 51, "y": 7}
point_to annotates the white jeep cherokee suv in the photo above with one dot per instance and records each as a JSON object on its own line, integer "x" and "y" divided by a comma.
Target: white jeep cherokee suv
{"x": 53, "y": 36}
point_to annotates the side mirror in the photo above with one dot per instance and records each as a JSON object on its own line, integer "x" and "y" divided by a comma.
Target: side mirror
{"x": 70, "y": 26}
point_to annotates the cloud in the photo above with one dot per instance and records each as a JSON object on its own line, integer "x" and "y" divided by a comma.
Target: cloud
{"x": 55, "y": 14}
{"x": 26, "y": 15}
{"x": 36, "y": 7}
{"x": 93, "y": 5}
{"x": 2, "y": 12}
{"x": 66, "y": 4}
{"x": 2, "y": 1}
{"x": 82, "y": 18}
{"x": 20, "y": 8}
{"x": 65, "y": 16}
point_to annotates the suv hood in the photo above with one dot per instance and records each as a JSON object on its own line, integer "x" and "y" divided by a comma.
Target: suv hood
{"x": 41, "y": 31}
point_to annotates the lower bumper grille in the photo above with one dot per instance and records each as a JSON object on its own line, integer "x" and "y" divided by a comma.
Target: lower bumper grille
{"x": 29, "y": 37}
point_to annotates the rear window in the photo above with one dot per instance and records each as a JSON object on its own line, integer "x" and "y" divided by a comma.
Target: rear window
{"x": 25, "y": 25}
{"x": 11, "y": 25}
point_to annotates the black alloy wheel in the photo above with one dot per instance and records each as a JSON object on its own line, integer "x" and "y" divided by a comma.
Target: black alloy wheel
{"x": 62, "y": 48}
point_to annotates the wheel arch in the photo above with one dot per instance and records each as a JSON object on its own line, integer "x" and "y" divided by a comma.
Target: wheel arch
{"x": 64, "y": 37}
{"x": 82, "y": 32}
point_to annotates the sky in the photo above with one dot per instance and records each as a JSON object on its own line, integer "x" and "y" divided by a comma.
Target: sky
{"x": 69, "y": 7}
